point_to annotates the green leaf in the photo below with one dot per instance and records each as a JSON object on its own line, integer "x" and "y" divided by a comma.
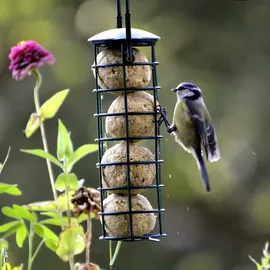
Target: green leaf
{"x": 50, "y": 107}
{"x": 49, "y": 214}
{"x": 60, "y": 183}
{"x": 41, "y": 153}
{"x": 71, "y": 242}
{"x": 82, "y": 218}
{"x": 12, "y": 230}
{"x": 66, "y": 181}
{"x": 21, "y": 234}
{"x": 24, "y": 213}
{"x": 9, "y": 189}
{"x": 38, "y": 230}
{"x": 64, "y": 143}
{"x": 33, "y": 124}
{"x": 44, "y": 232}
{"x": 5, "y": 227}
{"x": 10, "y": 212}
{"x": 60, "y": 205}
{"x": 62, "y": 201}
{"x": 33, "y": 214}
{"x": 266, "y": 260}
{"x": 52, "y": 245}
{"x": 5, "y": 161}
{"x": 80, "y": 153}
{"x": 53, "y": 221}
{"x": 42, "y": 206}
{"x": 59, "y": 221}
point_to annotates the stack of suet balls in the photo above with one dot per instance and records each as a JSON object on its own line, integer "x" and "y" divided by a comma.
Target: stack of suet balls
{"x": 139, "y": 125}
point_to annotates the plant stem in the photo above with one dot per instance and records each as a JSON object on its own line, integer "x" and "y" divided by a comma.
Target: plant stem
{"x": 71, "y": 263}
{"x": 111, "y": 253}
{"x": 37, "y": 251}
{"x": 68, "y": 208}
{"x": 117, "y": 249}
{"x": 45, "y": 145}
{"x": 67, "y": 193}
{"x": 30, "y": 247}
{"x": 42, "y": 129}
{"x": 71, "y": 258}
{"x": 88, "y": 239}
{"x": 6, "y": 158}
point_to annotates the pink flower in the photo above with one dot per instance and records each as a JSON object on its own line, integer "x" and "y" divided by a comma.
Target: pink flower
{"x": 26, "y": 56}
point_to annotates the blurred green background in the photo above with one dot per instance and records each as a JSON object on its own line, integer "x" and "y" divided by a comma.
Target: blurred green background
{"x": 222, "y": 46}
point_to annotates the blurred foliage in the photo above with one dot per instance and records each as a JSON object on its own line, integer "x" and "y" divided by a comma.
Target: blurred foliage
{"x": 222, "y": 46}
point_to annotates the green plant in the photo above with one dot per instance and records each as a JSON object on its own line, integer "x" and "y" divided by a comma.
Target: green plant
{"x": 35, "y": 219}
{"x": 265, "y": 260}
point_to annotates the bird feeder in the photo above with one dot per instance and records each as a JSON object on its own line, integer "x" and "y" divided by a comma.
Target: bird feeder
{"x": 127, "y": 169}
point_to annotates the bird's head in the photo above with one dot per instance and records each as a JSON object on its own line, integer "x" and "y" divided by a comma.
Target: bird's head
{"x": 187, "y": 90}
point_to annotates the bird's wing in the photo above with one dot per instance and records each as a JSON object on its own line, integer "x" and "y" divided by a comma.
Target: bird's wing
{"x": 200, "y": 124}
{"x": 213, "y": 151}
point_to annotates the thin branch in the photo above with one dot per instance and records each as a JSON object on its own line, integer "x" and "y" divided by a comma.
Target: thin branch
{"x": 37, "y": 251}
{"x": 42, "y": 130}
{"x": 88, "y": 239}
{"x": 117, "y": 249}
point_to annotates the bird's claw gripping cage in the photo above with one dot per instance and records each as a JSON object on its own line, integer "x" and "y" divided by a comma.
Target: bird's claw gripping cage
{"x": 125, "y": 39}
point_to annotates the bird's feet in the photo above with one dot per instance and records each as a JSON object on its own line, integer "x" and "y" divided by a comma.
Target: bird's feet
{"x": 163, "y": 118}
{"x": 161, "y": 110}
{"x": 163, "y": 114}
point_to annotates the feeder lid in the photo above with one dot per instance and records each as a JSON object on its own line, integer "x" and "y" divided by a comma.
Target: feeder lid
{"x": 120, "y": 34}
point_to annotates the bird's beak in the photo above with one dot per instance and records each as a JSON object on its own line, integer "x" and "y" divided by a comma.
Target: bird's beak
{"x": 174, "y": 90}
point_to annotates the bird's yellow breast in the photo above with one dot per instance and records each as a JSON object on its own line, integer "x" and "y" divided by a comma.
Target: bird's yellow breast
{"x": 185, "y": 133}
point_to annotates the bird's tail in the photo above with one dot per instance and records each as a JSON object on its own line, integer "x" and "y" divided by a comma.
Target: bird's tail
{"x": 203, "y": 170}
{"x": 213, "y": 153}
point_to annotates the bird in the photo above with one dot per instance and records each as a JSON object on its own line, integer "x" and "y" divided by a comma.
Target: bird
{"x": 192, "y": 126}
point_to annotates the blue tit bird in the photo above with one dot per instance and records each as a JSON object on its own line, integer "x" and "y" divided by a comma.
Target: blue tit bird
{"x": 192, "y": 126}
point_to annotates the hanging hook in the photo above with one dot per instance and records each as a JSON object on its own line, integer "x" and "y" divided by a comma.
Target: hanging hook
{"x": 130, "y": 57}
{"x": 119, "y": 15}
